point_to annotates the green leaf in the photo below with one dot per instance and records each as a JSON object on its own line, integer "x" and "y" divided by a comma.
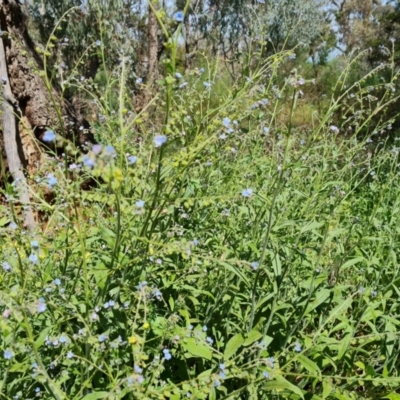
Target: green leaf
{"x": 311, "y": 226}
{"x": 392, "y": 396}
{"x": 236, "y": 271}
{"x": 252, "y": 337}
{"x": 95, "y": 396}
{"x": 197, "y": 349}
{"x": 344, "y": 345}
{"x": 321, "y": 296}
{"x": 309, "y": 365}
{"x": 40, "y": 340}
{"x": 3, "y": 221}
{"x": 280, "y": 383}
{"x": 233, "y": 346}
{"x": 351, "y": 262}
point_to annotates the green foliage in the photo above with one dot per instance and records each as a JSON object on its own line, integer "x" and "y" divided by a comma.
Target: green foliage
{"x": 224, "y": 252}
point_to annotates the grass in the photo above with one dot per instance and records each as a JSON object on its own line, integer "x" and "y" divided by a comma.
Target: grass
{"x": 246, "y": 257}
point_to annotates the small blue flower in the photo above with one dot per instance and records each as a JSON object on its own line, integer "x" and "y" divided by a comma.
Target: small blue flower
{"x": 209, "y": 340}
{"x": 179, "y": 16}
{"x": 140, "y": 204}
{"x": 266, "y": 130}
{"x": 157, "y": 294}
{"x": 49, "y": 136}
{"x": 139, "y": 81}
{"x": 207, "y": 85}
{"x": 141, "y": 285}
{"x": 88, "y": 162}
{"x": 297, "y": 347}
{"x": 37, "y": 390}
{"x": 222, "y": 375}
{"x": 33, "y": 258}
{"x": 247, "y": 192}
{"x": 70, "y": 354}
{"x": 334, "y": 129}
{"x": 51, "y": 180}
{"x": 8, "y": 354}
{"x": 102, "y": 338}
{"x": 217, "y": 383}
{"x": 160, "y": 140}
{"x": 205, "y": 328}
{"x": 266, "y": 375}
{"x": 137, "y": 369}
{"x": 221, "y": 367}
{"x": 178, "y": 75}
{"x": 57, "y": 281}
{"x": 167, "y": 354}
{"x": 226, "y": 122}
{"x": 63, "y": 339}
{"x": 41, "y": 305}
{"x": 13, "y": 225}
{"x": 132, "y": 160}
{"x": 35, "y": 244}
{"x": 6, "y": 266}
{"x": 98, "y": 43}
{"x": 110, "y": 151}
{"x": 97, "y": 148}
{"x": 254, "y": 265}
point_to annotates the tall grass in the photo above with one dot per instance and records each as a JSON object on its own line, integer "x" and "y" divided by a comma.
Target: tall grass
{"x": 225, "y": 252}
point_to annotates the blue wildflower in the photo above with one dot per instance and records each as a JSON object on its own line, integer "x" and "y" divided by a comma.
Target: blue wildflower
{"x": 70, "y": 354}
{"x": 35, "y": 244}
{"x": 266, "y": 375}
{"x": 110, "y": 151}
{"x": 254, "y": 265}
{"x": 41, "y": 305}
{"x": 132, "y": 159}
{"x": 217, "y": 383}
{"x": 49, "y": 136}
{"x": 88, "y": 162}
{"x": 51, "y": 180}
{"x": 137, "y": 369}
{"x": 209, "y": 340}
{"x": 140, "y": 204}
{"x": 141, "y": 285}
{"x": 33, "y": 258}
{"x": 179, "y": 16}
{"x": 6, "y": 266}
{"x": 226, "y": 122}
{"x": 297, "y": 347}
{"x": 205, "y": 328}
{"x": 8, "y": 354}
{"x": 98, "y": 43}
{"x": 97, "y": 148}
{"x": 247, "y": 192}
{"x": 167, "y": 354}
{"x": 102, "y": 338}
{"x": 57, "y": 282}
{"x": 160, "y": 140}
{"x": 178, "y": 75}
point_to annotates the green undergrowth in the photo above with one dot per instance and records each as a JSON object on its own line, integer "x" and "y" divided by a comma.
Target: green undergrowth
{"x": 222, "y": 252}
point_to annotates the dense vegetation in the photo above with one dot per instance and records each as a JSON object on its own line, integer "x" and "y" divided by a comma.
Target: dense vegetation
{"x": 239, "y": 238}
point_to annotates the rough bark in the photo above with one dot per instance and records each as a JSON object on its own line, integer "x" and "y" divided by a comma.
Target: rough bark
{"x": 39, "y": 104}
{"x": 11, "y": 144}
{"x": 152, "y": 53}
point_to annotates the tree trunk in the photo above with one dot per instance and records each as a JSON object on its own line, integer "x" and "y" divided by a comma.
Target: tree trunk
{"x": 30, "y": 104}
{"x": 152, "y": 38}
